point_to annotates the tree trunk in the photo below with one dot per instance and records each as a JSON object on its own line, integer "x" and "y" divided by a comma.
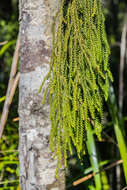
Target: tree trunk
{"x": 37, "y": 167}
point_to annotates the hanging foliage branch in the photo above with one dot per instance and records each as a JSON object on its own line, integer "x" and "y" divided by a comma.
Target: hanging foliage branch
{"x": 78, "y": 76}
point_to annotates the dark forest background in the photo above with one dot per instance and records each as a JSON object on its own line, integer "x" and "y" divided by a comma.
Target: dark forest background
{"x": 108, "y": 150}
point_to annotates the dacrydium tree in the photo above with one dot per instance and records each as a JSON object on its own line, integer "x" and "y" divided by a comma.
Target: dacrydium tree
{"x": 37, "y": 166}
{"x": 63, "y": 44}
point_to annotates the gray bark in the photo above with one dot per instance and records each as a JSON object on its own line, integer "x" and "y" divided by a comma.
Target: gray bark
{"x": 37, "y": 167}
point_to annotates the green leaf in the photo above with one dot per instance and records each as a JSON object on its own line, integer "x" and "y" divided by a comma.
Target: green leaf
{"x": 118, "y": 129}
{"x": 91, "y": 146}
{"x": 102, "y": 163}
{"x": 2, "y": 98}
{"x": 6, "y": 46}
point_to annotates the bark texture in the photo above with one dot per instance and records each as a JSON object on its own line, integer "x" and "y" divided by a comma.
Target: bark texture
{"x": 37, "y": 167}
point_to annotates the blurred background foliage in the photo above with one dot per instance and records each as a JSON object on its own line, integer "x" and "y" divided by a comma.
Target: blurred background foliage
{"x": 9, "y": 170}
{"x": 99, "y": 154}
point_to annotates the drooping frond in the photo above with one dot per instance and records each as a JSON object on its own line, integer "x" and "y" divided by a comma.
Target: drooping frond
{"x": 79, "y": 74}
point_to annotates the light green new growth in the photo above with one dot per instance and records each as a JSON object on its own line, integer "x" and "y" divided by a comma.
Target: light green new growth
{"x": 78, "y": 77}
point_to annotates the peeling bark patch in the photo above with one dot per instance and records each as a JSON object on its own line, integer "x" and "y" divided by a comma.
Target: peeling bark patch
{"x": 33, "y": 54}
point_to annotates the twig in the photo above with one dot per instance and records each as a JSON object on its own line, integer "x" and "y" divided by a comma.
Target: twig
{"x": 9, "y": 90}
{"x": 110, "y": 138}
{"x": 16, "y": 119}
{"x": 125, "y": 188}
{"x": 121, "y": 85}
{"x": 122, "y": 60}
{"x": 2, "y": 174}
{"x": 8, "y": 103}
{"x": 8, "y": 151}
{"x": 116, "y": 44}
{"x": 93, "y": 174}
{"x": 11, "y": 181}
{"x": 3, "y": 43}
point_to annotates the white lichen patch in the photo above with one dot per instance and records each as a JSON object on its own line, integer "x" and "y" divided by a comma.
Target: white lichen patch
{"x": 31, "y": 81}
{"x": 36, "y": 33}
{"x": 47, "y": 177}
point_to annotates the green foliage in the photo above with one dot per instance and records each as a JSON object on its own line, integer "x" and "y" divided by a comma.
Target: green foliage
{"x": 8, "y": 32}
{"x": 6, "y": 46}
{"x": 78, "y": 76}
{"x": 9, "y": 163}
{"x": 91, "y": 145}
{"x": 119, "y": 129}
